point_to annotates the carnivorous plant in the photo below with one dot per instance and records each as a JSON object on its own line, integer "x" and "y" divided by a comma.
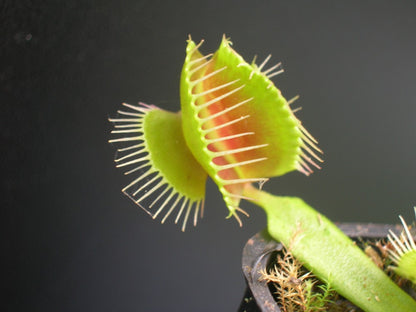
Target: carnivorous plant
{"x": 236, "y": 127}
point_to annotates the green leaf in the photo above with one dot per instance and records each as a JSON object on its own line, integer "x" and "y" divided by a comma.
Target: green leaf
{"x": 329, "y": 254}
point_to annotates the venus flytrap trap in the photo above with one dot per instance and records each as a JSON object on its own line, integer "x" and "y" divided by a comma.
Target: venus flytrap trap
{"x": 237, "y": 123}
{"x": 149, "y": 136}
{"x": 404, "y": 253}
{"x": 236, "y": 127}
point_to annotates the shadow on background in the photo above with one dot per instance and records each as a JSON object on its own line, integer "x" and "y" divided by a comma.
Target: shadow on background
{"x": 73, "y": 242}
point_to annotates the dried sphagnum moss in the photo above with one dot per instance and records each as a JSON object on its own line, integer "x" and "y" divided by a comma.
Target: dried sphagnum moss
{"x": 298, "y": 290}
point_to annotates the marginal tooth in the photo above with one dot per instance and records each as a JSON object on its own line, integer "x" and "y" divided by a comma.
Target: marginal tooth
{"x": 194, "y": 70}
{"x": 135, "y": 161}
{"x": 196, "y": 47}
{"x": 142, "y": 110}
{"x": 295, "y": 110}
{"x": 409, "y": 236}
{"x": 137, "y": 168}
{"x": 146, "y": 108}
{"x": 292, "y": 100}
{"x": 238, "y": 150}
{"x": 194, "y": 82}
{"x": 275, "y": 73}
{"x": 397, "y": 251}
{"x": 129, "y": 114}
{"x": 272, "y": 68}
{"x": 219, "y": 98}
{"x": 309, "y": 160}
{"x": 146, "y": 184}
{"x": 151, "y": 191}
{"x": 311, "y": 144}
{"x": 216, "y": 88}
{"x": 136, "y": 120}
{"x": 126, "y": 139}
{"x": 168, "y": 188}
{"x": 236, "y": 216}
{"x": 253, "y": 62}
{"x": 311, "y": 152}
{"x": 127, "y": 131}
{"x": 149, "y": 172}
{"x": 198, "y": 205}
{"x": 393, "y": 256}
{"x": 303, "y": 170}
{"x": 128, "y": 156}
{"x": 264, "y": 62}
{"x": 135, "y": 125}
{"x": 185, "y": 220}
{"x": 404, "y": 241}
{"x": 234, "y": 210}
{"x": 131, "y": 147}
{"x": 167, "y": 200}
{"x": 193, "y": 62}
{"x": 229, "y": 137}
{"x": 398, "y": 245}
{"x": 206, "y": 131}
{"x": 225, "y": 110}
{"x": 241, "y": 163}
{"x": 185, "y": 200}
{"x": 178, "y": 198}
{"x": 242, "y": 211}
{"x": 306, "y": 133}
{"x": 305, "y": 166}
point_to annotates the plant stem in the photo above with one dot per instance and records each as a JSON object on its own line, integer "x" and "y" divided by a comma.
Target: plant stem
{"x": 330, "y": 254}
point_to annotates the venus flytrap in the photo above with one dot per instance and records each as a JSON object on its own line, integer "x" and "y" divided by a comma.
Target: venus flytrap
{"x": 237, "y": 128}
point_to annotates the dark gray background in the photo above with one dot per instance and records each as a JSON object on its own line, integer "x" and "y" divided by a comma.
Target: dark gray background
{"x": 73, "y": 242}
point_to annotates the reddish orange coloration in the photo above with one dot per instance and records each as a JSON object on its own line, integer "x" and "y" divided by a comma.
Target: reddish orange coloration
{"x": 237, "y": 123}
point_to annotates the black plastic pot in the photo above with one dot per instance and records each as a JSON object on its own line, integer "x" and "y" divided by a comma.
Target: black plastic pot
{"x": 259, "y": 249}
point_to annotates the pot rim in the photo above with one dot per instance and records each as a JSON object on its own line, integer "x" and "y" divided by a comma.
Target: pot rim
{"x": 260, "y": 247}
